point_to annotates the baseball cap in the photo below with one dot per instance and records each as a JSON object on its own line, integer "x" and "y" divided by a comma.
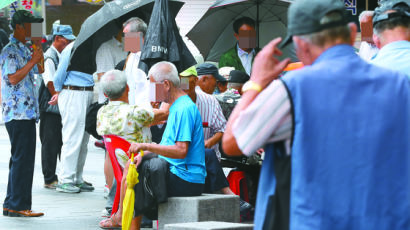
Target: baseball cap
{"x": 191, "y": 71}
{"x": 237, "y": 76}
{"x": 64, "y": 31}
{"x": 399, "y": 8}
{"x": 209, "y": 69}
{"x": 306, "y": 17}
{"x": 24, "y": 16}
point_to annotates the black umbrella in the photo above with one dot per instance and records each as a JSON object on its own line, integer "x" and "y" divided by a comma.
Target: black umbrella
{"x": 163, "y": 41}
{"x": 213, "y": 34}
{"x": 106, "y": 23}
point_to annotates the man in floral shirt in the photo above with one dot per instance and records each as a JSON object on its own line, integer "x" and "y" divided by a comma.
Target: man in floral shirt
{"x": 20, "y": 112}
{"x": 131, "y": 122}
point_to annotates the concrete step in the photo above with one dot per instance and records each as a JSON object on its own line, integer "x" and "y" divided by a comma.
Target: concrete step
{"x": 208, "y": 225}
{"x": 208, "y": 207}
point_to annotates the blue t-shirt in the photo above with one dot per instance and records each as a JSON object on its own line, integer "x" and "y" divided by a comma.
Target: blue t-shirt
{"x": 185, "y": 124}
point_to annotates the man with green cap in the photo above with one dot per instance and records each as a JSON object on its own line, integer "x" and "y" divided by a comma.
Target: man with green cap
{"x": 20, "y": 112}
{"x": 348, "y": 121}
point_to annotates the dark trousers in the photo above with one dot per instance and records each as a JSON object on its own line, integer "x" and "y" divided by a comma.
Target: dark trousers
{"x": 215, "y": 178}
{"x": 51, "y": 143}
{"x": 22, "y": 134}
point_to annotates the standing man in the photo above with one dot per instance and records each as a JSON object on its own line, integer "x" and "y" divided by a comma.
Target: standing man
{"x": 109, "y": 54}
{"x": 20, "y": 112}
{"x": 350, "y": 127}
{"x": 391, "y": 24}
{"x": 242, "y": 54}
{"x": 50, "y": 120}
{"x": 74, "y": 96}
{"x": 137, "y": 80}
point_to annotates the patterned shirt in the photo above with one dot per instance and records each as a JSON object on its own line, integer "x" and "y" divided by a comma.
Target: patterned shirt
{"x": 19, "y": 101}
{"x": 211, "y": 113}
{"x": 259, "y": 124}
{"x": 228, "y": 100}
{"x": 128, "y": 121}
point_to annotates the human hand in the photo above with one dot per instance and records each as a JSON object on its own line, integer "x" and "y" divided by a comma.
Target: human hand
{"x": 137, "y": 147}
{"x": 155, "y": 105}
{"x": 266, "y": 66}
{"x": 208, "y": 144}
{"x": 54, "y": 99}
{"x": 137, "y": 160}
{"x": 37, "y": 56}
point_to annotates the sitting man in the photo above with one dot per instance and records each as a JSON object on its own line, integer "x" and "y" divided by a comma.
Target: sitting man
{"x": 211, "y": 113}
{"x": 181, "y": 147}
{"x": 131, "y": 122}
{"x": 230, "y": 98}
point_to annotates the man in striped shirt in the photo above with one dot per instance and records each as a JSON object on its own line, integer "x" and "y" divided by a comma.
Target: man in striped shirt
{"x": 211, "y": 111}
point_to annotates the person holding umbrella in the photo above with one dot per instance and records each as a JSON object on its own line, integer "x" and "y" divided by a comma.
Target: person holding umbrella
{"x": 20, "y": 112}
{"x": 242, "y": 54}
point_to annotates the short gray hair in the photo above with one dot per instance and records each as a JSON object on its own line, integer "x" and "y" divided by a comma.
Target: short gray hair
{"x": 164, "y": 70}
{"x": 326, "y": 36}
{"x": 113, "y": 84}
{"x": 136, "y": 25}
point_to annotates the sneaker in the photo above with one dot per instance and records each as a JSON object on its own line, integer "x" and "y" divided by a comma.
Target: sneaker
{"x": 87, "y": 183}
{"x": 52, "y": 185}
{"x": 67, "y": 188}
{"x": 85, "y": 187}
{"x": 245, "y": 211}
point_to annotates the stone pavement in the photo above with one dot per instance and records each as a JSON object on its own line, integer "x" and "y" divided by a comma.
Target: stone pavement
{"x": 62, "y": 210}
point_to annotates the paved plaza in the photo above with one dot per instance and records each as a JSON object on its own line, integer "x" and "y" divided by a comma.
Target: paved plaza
{"x": 62, "y": 210}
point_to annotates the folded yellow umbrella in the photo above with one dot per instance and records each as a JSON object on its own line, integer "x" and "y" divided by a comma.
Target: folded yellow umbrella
{"x": 129, "y": 199}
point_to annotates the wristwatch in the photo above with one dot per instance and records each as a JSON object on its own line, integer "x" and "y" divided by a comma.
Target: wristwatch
{"x": 251, "y": 85}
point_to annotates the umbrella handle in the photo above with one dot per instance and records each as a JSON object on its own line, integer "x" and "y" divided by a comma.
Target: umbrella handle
{"x": 142, "y": 152}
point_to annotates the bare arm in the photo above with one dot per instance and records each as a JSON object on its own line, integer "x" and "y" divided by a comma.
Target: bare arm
{"x": 213, "y": 140}
{"x": 177, "y": 151}
{"x": 266, "y": 68}
{"x": 160, "y": 115}
{"x": 50, "y": 87}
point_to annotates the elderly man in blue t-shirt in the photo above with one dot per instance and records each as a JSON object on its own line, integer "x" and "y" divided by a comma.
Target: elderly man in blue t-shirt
{"x": 182, "y": 144}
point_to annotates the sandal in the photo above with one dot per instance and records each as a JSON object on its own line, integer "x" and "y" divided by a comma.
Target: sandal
{"x": 110, "y": 223}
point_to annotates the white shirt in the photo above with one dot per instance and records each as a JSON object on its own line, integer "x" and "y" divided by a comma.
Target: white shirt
{"x": 109, "y": 54}
{"x": 246, "y": 59}
{"x": 211, "y": 113}
{"x": 137, "y": 82}
{"x": 50, "y": 68}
